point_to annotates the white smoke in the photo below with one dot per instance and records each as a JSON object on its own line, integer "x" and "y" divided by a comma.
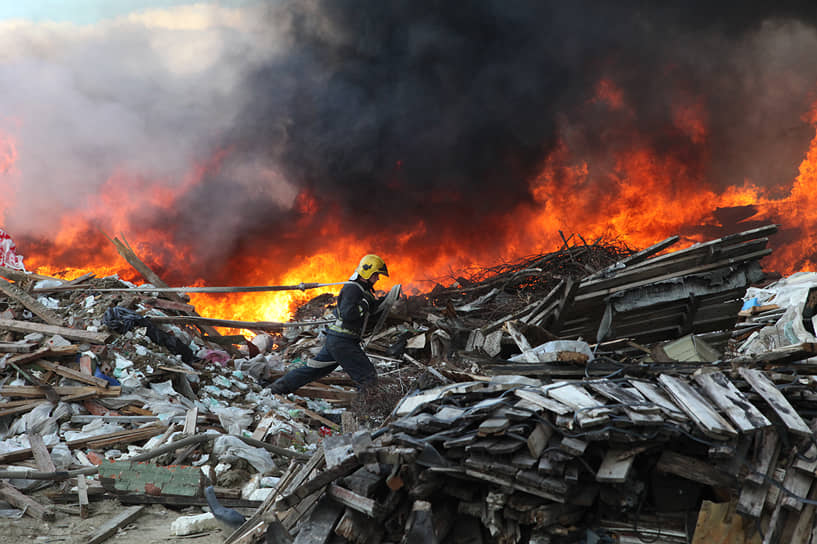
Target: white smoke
{"x": 149, "y": 96}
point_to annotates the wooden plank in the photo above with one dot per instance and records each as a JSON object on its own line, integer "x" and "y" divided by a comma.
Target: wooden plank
{"x": 72, "y": 374}
{"x": 693, "y": 469}
{"x": 109, "y": 528}
{"x": 718, "y": 524}
{"x": 797, "y": 483}
{"x": 31, "y": 303}
{"x": 19, "y": 407}
{"x": 21, "y": 276}
{"x": 634, "y": 259}
{"x": 675, "y": 264}
{"x": 16, "y": 347}
{"x": 589, "y": 411}
{"x": 585, "y": 297}
{"x": 29, "y": 391}
{"x": 536, "y": 308}
{"x": 320, "y": 481}
{"x": 263, "y": 427}
{"x": 82, "y": 496}
{"x": 65, "y": 332}
{"x": 696, "y": 407}
{"x": 493, "y": 425}
{"x": 638, "y": 409}
{"x": 621, "y": 395}
{"x": 766, "y": 389}
{"x": 767, "y": 446}
{"x": 656, "y": 395}
{"x": 253, "y": 521}
{"x": 355, "y": 527}
{"x": 505, "y": 482}
{"x": 25, "y": 503}
{"x": 557, "y": 316}
{"x": 520, "y": 340}
{"x": 356, "y": 502}
{"x": 738, "y": 409}
{"x": 420, "y": 524}
{"x": 319, "y": 526}
{"x": 190, "y": 420}
{"x": 615, "y": 469}
{"x": 124, "y": 476}
{"x": 538, "y": 439}
{"x": 41, "y": 455}
{"x": 805, "y": 522}
{"x": 550, "y": 405}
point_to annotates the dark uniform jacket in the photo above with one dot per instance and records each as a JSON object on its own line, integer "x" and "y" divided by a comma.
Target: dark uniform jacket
{"x": 355, "y": 302}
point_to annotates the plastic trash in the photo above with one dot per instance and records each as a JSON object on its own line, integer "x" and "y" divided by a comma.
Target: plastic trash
{"x": 189, "y": 525}
{"x": 8, "y": 252}
{"x": 749, "y": 303}
{"x": 259, "y": 458}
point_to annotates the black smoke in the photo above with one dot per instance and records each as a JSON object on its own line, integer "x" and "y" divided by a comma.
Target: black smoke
{"x": 396, "y": 112}
{"x": 434, "y": 116}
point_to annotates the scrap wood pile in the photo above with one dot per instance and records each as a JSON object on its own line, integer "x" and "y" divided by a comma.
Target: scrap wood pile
{"x": 516, "y": 460}
{"x": 528, "y": 402}
{"x": 664, "y": 429}
{"x": 100, "y": 391}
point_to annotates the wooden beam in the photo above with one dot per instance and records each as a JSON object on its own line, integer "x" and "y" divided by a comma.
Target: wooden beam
{"x": 693, "y": 469}
{"x": 41, "y": 454}
{"x": 110, "y": 527}
{"x": 46, "y": 314}
{"x": 33, "y": 392}
{"x": 72, "y": 374}
{"x": 65, "y": 332}
{"x": 82, "y": 496}
{"x": 25, "y": 503}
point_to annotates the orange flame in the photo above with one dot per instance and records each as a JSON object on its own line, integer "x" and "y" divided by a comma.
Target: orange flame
{"x": 638, "y": 197}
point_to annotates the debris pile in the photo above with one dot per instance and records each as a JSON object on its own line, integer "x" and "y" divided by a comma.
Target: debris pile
{"x": 591, "y": 393}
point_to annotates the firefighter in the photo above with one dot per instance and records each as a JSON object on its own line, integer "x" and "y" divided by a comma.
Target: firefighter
{"x": 356, "y": 302}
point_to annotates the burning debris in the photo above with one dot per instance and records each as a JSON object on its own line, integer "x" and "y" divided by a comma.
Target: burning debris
{"x": 594, "y": 392}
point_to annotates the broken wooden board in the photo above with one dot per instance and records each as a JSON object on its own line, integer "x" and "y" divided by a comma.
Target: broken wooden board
{"x": 737, "y": 407}
{"x": 766, "y": 389}
{"x": 697, "y": 408}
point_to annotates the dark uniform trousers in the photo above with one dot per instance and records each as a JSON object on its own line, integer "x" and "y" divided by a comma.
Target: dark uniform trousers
{"x": 346, "y": 351}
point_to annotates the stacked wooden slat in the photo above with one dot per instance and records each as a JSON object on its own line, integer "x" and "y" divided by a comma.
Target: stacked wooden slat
{"x": 518, "y": 455}
{"x": 653, "y": 298}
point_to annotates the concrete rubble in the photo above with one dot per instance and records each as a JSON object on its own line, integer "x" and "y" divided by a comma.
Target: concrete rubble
{"x": 592, "y": 394}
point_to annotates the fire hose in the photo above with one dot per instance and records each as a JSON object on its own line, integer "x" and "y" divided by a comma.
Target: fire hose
{"x": 245, "y": 289}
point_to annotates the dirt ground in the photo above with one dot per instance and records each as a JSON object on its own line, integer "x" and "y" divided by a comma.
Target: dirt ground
{"x": 151, "y": 527}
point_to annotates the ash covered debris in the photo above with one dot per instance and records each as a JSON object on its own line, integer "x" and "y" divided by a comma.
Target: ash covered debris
{"x": 593, "y": 392}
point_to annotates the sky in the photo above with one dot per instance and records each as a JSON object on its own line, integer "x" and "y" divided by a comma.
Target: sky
{"x": 84, "y": 12}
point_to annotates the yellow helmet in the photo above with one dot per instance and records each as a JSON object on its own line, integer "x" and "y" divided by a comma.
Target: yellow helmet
{"x": 370, "y": 264}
